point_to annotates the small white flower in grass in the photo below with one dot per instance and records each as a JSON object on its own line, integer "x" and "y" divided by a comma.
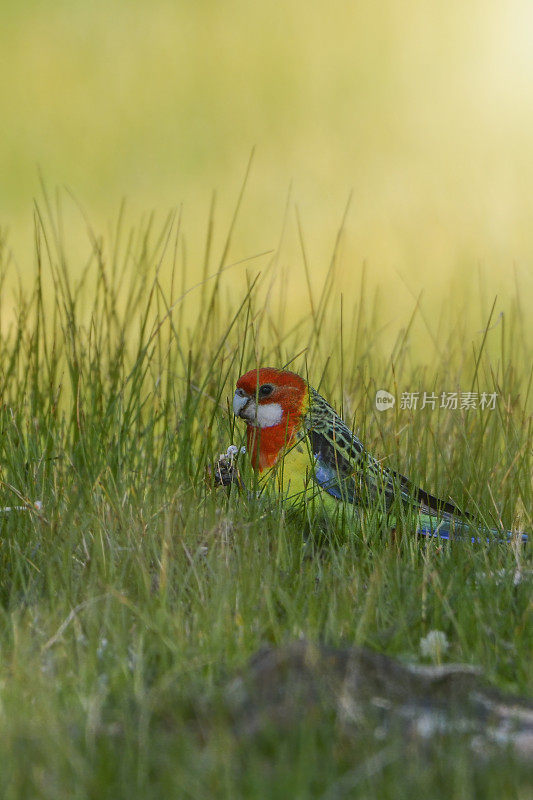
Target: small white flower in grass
{"x": 434, "y": 645}
{"x": 233, "y": 450}
{"x": 37, "y": 505}
{"x": 102, "y": 647}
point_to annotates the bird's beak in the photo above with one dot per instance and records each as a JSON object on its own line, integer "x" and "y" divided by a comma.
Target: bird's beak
{"x": 240, "y": 401}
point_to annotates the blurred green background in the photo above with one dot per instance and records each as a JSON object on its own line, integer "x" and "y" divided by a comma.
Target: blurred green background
{"x": 421, "y": 111}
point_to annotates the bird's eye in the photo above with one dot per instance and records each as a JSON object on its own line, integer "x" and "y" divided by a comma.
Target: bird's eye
{"x": 265, "y": 390}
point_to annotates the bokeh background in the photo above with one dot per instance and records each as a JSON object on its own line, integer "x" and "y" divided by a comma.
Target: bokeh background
{"x": 421, "y": 112}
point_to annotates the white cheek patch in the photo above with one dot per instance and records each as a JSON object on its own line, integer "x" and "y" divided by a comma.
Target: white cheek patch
{"x": 269, "y": 415}
{"x": 261, "y": 416}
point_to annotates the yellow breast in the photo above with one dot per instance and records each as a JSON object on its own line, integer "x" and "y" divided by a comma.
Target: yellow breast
{"x": 292, "y": 472}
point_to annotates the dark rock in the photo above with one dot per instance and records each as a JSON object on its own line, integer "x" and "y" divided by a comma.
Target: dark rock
{"x": 368, "y": 692}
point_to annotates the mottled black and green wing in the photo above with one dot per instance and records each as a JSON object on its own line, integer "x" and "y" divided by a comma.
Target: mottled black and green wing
{"x": 346, "y": 470}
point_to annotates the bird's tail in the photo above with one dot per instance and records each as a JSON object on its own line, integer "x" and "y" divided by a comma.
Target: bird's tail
{"x": 428, "y": 503}
{"x": 449, "y": 530}
{"x": 444, "y": 520}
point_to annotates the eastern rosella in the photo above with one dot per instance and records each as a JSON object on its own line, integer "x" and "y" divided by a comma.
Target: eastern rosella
{"x": 296, "y": 436}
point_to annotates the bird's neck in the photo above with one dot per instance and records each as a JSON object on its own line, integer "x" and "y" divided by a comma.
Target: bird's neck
{"x": 266, "y": 445}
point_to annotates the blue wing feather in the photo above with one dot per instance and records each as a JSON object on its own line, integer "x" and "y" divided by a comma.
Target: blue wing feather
{"x": 443, "y": 527}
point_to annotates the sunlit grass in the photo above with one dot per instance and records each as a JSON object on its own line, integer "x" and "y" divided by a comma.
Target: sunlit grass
{"x": 127, "y": 601}
{"x": 421, "y": 112}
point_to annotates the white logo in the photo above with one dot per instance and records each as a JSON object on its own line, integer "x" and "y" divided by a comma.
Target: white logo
{"x": 384, "y": 400}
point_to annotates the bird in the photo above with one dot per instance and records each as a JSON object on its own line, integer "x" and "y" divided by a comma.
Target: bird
{"x": 296, "y": 436}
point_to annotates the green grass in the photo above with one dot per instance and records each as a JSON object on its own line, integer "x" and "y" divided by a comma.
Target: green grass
{"x": 127, "y": 604}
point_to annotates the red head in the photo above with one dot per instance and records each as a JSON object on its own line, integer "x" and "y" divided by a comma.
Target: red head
{"x": 272, "y": 402}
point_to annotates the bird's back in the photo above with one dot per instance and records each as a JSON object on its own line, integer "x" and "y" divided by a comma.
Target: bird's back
{"x": 347, "y": 471}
